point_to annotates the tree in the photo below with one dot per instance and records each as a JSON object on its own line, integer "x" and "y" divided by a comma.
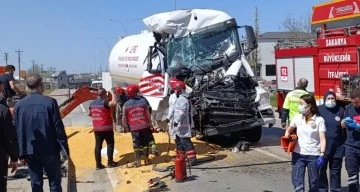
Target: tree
{"x": 39, "y": 69}
{"x": 299, "y": 25}
{"x": 255, "y": 56}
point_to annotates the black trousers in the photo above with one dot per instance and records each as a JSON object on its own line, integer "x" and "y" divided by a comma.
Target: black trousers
{"x": 335, "y": 165}
{"x": 108, "y": 136}
{"x": 141, "y": 138}
{"x": 3, "y": 171}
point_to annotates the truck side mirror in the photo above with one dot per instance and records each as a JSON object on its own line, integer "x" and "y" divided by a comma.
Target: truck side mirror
{"x": 251, "y": 39}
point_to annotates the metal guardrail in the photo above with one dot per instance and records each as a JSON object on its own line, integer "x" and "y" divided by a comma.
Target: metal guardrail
{"x": 296, "y": 44}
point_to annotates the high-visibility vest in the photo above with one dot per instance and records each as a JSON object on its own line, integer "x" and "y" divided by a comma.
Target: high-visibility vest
{"x": 136, "y": 111}
{"x": 292, "y": 102}
{"x": 101, "y": 116}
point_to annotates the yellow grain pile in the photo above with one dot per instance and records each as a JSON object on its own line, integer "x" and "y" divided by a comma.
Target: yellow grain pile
{"x": 82, "y": 144}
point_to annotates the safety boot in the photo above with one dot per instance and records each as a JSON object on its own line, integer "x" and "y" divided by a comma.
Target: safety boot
{"x": 154, "y": 149}
{"x": 146, "y": 155}
{"x": 99, "y": 166}
{"x": 111, "y": 164}
{"x": 137, "y": 162}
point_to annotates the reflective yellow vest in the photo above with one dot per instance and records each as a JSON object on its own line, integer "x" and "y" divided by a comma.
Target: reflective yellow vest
{"x": 292, "y": 102}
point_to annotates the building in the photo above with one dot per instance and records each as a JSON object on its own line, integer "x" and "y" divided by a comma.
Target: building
{"x": 266, "y": 43}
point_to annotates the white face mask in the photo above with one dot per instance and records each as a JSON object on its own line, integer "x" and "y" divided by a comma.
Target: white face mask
{"x": 302, "y": 109}
{"x": 330, "y": 103}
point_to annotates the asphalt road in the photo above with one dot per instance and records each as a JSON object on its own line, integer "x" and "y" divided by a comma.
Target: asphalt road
{"x": 264, "y": 168}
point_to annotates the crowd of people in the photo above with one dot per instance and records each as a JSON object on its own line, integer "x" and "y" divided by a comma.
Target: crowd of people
{"x": 34, "y": 133}
{"x": 326, "y": 134}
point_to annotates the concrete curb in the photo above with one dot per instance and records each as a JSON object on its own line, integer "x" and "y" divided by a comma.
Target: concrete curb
{"x": 66, "y": 184}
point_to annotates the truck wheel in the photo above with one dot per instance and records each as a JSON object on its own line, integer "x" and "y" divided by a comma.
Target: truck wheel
{"x": 253, "y": 135}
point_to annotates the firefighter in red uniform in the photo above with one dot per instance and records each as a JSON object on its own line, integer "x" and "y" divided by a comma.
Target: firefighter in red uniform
{"x": 137, "y": 119}
{"x": 99, "y": 110}
{"x": 121, "y": 99}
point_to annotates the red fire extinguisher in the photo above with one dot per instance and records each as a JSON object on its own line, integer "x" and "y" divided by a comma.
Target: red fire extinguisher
{"x": 180, "y": 168}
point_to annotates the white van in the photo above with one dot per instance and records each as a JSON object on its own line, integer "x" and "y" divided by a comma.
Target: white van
{"x": 96, "y": 84}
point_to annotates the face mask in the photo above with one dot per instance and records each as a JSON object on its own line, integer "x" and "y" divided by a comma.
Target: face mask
{"x": 302, "y": 109}
{"x": 330, "y": 103}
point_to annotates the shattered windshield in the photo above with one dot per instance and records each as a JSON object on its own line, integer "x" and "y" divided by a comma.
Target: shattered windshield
{"x": 200, "y": 52}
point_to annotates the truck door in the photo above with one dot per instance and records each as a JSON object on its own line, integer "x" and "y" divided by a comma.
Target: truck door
{"x": 154, "y": 81}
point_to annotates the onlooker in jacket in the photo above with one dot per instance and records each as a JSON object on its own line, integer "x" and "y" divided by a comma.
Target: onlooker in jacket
{"x": 8, "y": 145}
{"x": 40, "y": 133}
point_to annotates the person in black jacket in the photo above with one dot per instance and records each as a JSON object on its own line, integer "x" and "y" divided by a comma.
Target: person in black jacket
{"x": 2, "y": 97}
{"x": 8, "y": 146}
{"x": 41, "y": 135}
{"x": 8, "y": 80}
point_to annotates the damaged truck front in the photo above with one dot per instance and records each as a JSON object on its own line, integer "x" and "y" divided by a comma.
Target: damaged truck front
{"x": 202, "y": 48}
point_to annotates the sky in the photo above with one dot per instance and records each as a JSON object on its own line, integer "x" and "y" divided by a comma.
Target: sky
{"x": 77, "y": 36}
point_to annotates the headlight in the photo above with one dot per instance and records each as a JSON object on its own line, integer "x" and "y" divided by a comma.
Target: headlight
{"x": 264, "y": 99}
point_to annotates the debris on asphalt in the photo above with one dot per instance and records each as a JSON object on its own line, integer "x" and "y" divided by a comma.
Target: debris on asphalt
{"x": 84, "y": 162}
{"x": 241, "y": 146}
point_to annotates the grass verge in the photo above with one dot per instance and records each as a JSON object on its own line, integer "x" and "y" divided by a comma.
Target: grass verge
{"x": 273, "y": 100}
{"x": 48, "y": 91}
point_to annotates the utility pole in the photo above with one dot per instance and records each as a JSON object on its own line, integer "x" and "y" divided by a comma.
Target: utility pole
{"x": 19, "y": 59}
{"x": 257, "y": 55}
{"x": 33, "y": 66}
{"x": 6, "y": 58}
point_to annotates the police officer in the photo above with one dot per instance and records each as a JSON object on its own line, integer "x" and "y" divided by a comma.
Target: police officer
{"x": 99, "y": 110}
{"x": 352, "y": 143}
{"x": 8, "y": 145}
{"x": 334, "y": 153}
{"x": 181, "y": 121}
{"x": 290, "y": 106}
{"x": 137, "y": 119}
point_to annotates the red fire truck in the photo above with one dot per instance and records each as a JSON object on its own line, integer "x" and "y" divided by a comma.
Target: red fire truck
{"x": 2, "y": 70}
{"x": 331, "y": 61}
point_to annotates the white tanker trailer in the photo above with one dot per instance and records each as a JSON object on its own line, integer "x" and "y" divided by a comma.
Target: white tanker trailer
{"x": 201, "y": 47}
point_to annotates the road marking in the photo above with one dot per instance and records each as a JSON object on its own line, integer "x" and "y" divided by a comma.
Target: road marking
{"x": 111, "y": 172}
{"x": 271, "y": 155}
{"x": 112, "y": 177}
{"x": 82, "y": 108}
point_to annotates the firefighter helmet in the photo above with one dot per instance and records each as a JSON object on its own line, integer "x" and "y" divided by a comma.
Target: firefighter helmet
{"x": 179, "y": 86}
{"x": 119, "y": 90}
{"x": 132, "y": 90}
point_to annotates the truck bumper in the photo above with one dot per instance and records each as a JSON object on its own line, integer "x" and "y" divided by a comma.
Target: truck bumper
{"x": 234, "y": 127}
{"x": 267, "y": 114}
